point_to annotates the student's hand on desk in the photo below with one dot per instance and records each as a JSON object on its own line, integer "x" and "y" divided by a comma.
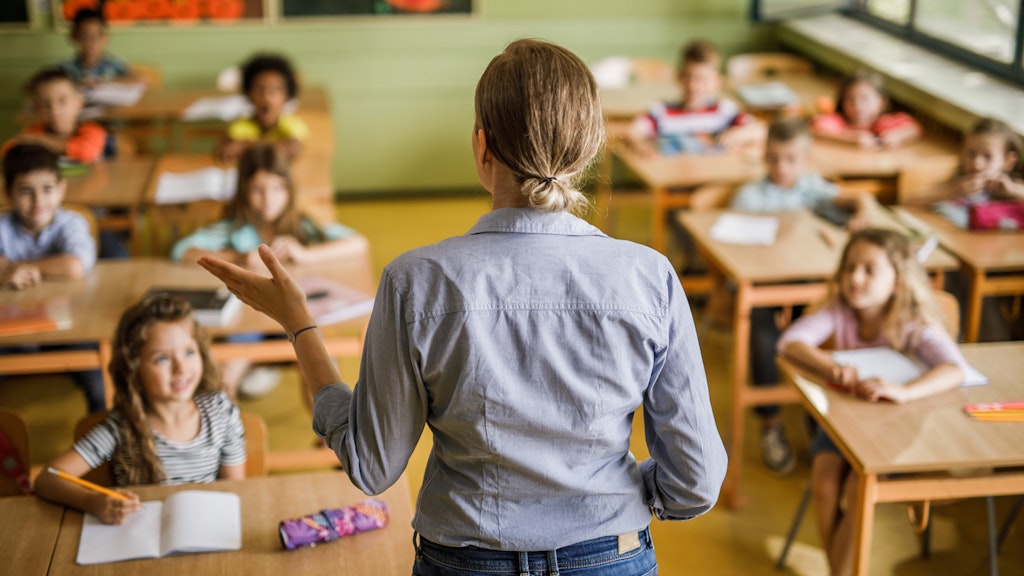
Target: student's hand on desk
{"x": 21, "y": 276}
{"x": 868, "y": 141}
{"x": 278, "y": 296}
{"x": 112, "y": 510}
{"x": 845, "y": 376}
{"x": 875, "y": 389}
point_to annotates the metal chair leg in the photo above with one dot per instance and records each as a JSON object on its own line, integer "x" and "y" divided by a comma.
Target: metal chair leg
{"x": 791, "y": 535}
{"x": 993, "y": 548}
{"x": 1014, "y": 511}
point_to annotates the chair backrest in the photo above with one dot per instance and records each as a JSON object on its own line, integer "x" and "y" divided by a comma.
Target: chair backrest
{"x": 950, "y": 310}
{"x": 149, "y": 74}
{"x": 90, "y": 218}
{"x": 765, "y": 65}
{"x": 169, "y": 223}
{"x": 651, "y": 71}
{"x": 924, "y": 174}
{"x": 13, "y": 427}
{"x": 255, "y": 446}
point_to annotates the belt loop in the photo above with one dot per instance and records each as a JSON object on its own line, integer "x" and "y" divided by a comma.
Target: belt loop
{"x": 524, "y": 564}
{"x": 553, "y": 563}
{"x": 416, "y": 543}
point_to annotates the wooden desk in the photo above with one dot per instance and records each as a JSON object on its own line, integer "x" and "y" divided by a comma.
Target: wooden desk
{"x": 265, "y": 502}
{"x": 994, "y": 261}
{"x": 168, "y": 103}
{"x": 28, "y": 534}
{"x": 922, "y": 441}
{"x": 841, "y": 160}
{"x": 793, "y": 271}
{"x": 98, "y": 300}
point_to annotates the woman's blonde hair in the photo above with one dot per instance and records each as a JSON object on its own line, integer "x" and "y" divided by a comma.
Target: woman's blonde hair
{"x": 912, "y": 301}
{"x": 268, "y": 158}
{"x": 138, "y": 456}
{"x": 539, "y": 108}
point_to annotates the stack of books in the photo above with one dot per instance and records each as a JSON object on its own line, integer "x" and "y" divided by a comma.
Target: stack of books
{"x": 997, "y": 411}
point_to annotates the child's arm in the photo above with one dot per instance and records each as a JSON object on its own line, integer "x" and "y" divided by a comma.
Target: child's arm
{"x": 862, "y": 138}
{"x": 27, "y": 273}
{"x": 863, "y": 205}
{"x": 939, "y": 379}
{"x": 820, "y": 363}
{"x": 746, "y": 135}
{"x": 900, "y": 135}
{"x": 108, "y": 509}
{"x": 236, "y": 472}
{"x": 958, "y": 187}
{"x": 85, "y": 145}
{"x": 289, "y": 249}
{"x": 1008, "y": 188}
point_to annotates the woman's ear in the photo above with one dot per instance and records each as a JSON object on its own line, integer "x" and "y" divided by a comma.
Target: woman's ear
{"x": 482, "y": 151}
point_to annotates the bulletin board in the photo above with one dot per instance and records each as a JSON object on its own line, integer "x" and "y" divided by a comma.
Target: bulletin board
{"x": 165, "y": 12}
{"x": 315, "y": 8}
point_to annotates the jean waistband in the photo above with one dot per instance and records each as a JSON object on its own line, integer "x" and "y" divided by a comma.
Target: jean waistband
{"x": 588, "y": 553}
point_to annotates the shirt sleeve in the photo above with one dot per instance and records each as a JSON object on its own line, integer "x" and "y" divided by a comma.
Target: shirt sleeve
{"x": 894, "y": 121}
{"x": 87, "y": 144}
{"x": 76, "y": 239}
{"x": 232, "y": 451}
{"x": 811, "y": 329}
{"x": 292, "y": 126}
{"x": 828, "y": 123}
{"x": 216, "y": 236}
{"x": 684, "y": 474}
{"x": 644, "y": 126}
{"x": 99, "y": 444}
{"x": 244, "y": 130}
{"x": 374, "y": 429}
{"x": 748, "y": 198}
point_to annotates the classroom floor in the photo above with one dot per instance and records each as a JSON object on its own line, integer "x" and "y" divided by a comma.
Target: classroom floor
{"x": 723, "y": 542}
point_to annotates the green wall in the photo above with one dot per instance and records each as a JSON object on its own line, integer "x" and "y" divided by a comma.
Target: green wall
{"x": 401, "y": 89}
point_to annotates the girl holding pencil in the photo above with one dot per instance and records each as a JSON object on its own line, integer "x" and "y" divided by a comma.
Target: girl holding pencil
{"x": 171, "y": 423}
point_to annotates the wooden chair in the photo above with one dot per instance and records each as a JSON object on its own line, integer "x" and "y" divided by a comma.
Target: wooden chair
{"x": 13, "y": 427}
{"x": 86, "y": 212}
{"x": 148, "y": 74}
{"x": 651, "y": 71}
{"x": 255, "y": 446}
{"x": 169, "y": 223}
{"x": 762, "y": 65}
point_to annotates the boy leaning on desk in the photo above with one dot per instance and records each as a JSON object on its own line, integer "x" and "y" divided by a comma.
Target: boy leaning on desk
{"x": 702, "y": 121}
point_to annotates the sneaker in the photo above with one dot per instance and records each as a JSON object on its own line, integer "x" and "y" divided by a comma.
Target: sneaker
{"x": 259, "y": 382}
{"x": 776, "y": 452}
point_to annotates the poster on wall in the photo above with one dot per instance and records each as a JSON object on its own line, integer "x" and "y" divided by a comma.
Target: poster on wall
{"x": 164, "y": 12}
{"x": 314, "y": 8}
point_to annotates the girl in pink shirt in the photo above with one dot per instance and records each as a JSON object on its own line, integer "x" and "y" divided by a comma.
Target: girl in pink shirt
{"x": 861, "y": 118}
{"x": 879, "y": 297}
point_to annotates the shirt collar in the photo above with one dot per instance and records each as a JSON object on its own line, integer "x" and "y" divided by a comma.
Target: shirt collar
{"x": 531, "y": 221}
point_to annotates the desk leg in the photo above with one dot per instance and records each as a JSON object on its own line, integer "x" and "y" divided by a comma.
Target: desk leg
{"x": 106, "y": 352}
{"x": 740, "y": 365}
{"x": 864, "y": 523}
{"x": 972, "y": 318}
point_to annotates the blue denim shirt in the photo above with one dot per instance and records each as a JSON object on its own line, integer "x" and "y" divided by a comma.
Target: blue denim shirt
{"x": 526, "y": 346}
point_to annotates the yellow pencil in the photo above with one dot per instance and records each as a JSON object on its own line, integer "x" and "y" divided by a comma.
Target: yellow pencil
{"x": 86, "y": 483}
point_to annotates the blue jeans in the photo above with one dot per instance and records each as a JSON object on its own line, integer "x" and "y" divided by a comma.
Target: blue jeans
{"x": 597, "y": 557}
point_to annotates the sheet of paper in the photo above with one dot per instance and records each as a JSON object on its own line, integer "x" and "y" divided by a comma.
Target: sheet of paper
{"x": 115, "y": 93}
{"x": 201, "y": 521}
{"x": 226, "y": 108}
{"x": 138, "y": 537}
{"x": 330, "y": 302}
{"x": 206, "y": 184}
{"x": 766, "y": 95}
{"x": 743, "y": 229}
{"x": 893, "y": 366}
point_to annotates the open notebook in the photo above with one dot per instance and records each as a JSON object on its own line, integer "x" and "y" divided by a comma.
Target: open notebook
{"x": 893, "y": 366}
{"x": 733, "y": 228}
{"x": 330, "y": 302}
{"x": 186, "y": 522}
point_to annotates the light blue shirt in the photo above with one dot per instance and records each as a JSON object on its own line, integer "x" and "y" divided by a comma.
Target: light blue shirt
{"x": 765, "y": 196}
{"x": 68, "y": 233}
{"x": 526, "y": 346}
{"x": 223, "y": 235}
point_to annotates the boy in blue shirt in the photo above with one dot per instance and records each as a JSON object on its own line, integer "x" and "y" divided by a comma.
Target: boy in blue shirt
{"x": 41, "y": 241}
{"x": 91, "y": 64}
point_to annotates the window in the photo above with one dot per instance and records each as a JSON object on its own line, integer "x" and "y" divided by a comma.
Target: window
{"x": 984, "y": 33}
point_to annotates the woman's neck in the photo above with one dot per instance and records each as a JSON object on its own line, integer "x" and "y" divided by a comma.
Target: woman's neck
{"x": 506, "y": 192}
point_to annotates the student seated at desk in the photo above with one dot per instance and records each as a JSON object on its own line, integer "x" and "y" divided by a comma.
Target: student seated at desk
{"x": 40, "y": 241}
{"x": 991, "y": 169}
{"x": 789, "y": 185}
{"x": 269, "y": 82}
{"x": 879, "y": 296}
{"x": 171, "y": 423}
{"x": 703, "y": 121}
{"x": 860, "y": 117}
{"x": 57, "y": 103}
{"x": 264, "y": 211}
{"x": 91, "y": 63}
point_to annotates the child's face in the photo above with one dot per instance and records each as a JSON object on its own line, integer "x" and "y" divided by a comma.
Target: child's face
{"x": 868, "y": 278}
{"x": 268, "y": 196}
{"x": 700, "y": 82}
{"x": 91, "y": 40}
{"x": 786, "y": 161}
{"x": 170, "y": 363}
{"x": 862, "y": 105}
{"x": 57, "y": 105}
{"x": 35, "y": 197}
{"x": 269, "y": 94}
{"x": 986, "y": 154}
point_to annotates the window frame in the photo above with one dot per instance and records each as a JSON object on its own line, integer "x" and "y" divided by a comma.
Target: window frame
{"x": 1013, "y": 70}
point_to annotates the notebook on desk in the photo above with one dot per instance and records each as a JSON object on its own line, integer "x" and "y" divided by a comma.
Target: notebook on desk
{"x": 767, "y": 95}
{"x": 895, "y": 367}
{"x": 36, "y": 316}
{"x": 205, "y": 184}
{"x": 115, "y": 93}
{"x": 186, "y": 522}
{"x": 745, "y": 229}
{"x": 330, "y": 302}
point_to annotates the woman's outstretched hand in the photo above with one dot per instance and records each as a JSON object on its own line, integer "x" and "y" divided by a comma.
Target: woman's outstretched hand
{"x": 279, "y": 296}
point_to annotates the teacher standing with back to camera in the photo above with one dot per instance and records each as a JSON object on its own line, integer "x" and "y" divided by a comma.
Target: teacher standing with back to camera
{"x": 526, "y": 345}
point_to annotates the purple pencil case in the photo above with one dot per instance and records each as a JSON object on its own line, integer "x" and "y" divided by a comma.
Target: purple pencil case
{"x": 333, "y": 523}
